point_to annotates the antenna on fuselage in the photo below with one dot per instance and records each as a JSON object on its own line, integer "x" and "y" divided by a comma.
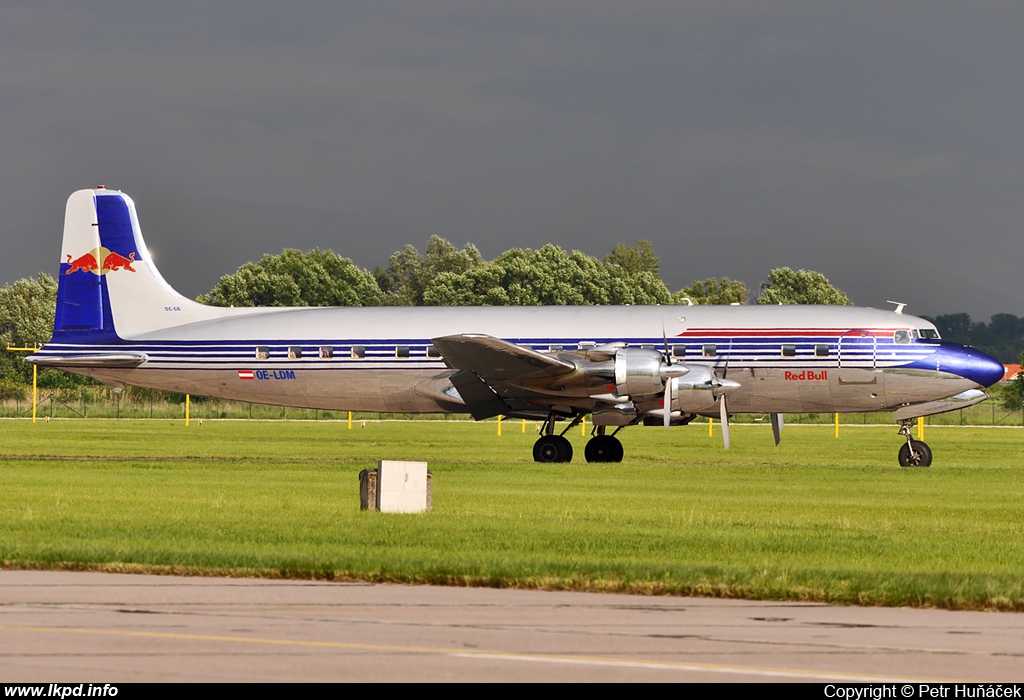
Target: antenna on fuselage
{"x": 899, "y": 305}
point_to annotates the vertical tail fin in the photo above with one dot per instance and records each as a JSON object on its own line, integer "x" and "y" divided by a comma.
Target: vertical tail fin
{"x": 108, "y": 286}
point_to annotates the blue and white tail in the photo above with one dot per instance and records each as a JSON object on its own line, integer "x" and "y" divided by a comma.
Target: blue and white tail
{"x": 109, "y": 288}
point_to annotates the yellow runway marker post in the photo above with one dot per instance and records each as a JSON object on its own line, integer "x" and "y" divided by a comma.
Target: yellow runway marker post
{"x": 35, "y": 378}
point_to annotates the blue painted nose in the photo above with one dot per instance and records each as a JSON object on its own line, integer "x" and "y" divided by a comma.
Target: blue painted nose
{"x": 972, "y": 364}
{"x": 990, "y": 370}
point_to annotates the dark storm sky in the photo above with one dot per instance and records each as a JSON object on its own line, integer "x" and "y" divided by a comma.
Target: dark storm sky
{"x": 878, "y": 143}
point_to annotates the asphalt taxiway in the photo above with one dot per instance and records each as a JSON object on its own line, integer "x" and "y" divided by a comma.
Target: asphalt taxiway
{"x": 97, "y": 627}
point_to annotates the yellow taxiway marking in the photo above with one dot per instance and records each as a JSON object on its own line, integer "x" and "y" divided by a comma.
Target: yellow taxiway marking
{"x": 808, "y": 674}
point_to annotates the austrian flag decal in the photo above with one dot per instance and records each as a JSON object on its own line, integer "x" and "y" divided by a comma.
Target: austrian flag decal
{"x": 245, "y": 374}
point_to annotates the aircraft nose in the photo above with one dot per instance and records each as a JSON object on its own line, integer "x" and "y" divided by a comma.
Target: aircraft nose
{"x": 969, "y": 363}
{"x": 991, "y": 369}
{"x": 984, "y": 370}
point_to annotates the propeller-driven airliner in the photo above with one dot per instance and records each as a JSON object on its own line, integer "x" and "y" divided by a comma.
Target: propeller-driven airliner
{"x": 118, "y": 321}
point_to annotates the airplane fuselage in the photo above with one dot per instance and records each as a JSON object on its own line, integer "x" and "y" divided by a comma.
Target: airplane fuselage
{"x": 786, "y": 358}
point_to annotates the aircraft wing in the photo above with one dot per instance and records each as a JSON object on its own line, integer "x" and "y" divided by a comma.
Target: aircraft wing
{"x": 496, "y": 360}
{"x": 485, "y": 363}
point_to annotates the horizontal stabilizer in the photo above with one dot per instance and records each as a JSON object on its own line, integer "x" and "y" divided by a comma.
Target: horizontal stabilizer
{"x": 497, "y": 360}
{"x": 961, "y": 400}
{"x": 110, "y": 359}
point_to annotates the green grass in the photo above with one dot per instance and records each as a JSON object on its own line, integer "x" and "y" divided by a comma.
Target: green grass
{"x": 817, "y": 518}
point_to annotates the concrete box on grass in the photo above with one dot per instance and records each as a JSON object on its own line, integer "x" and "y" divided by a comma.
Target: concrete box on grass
{"x": 396, "y": 487}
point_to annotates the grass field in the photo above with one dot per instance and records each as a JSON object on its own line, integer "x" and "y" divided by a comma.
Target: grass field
{"x": 817, "y": 518}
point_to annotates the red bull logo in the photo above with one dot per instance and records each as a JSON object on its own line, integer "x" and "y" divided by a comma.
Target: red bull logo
{"x": 807, "y": 376}
{"x": 100, "y": 261}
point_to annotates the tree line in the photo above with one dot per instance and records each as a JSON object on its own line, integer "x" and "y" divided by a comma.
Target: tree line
{"x": 445, "y": 275}
{"x": 448, "y": 276}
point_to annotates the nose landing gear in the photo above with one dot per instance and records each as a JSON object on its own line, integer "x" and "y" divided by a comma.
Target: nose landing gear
{"x": 914, "y": 453}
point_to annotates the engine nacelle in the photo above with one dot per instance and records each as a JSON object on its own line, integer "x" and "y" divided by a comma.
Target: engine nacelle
{"x": 695, "y": 391}
{"x": 638, "y": 372}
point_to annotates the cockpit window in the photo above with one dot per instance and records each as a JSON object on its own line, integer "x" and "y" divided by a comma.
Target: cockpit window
{"x": 901, "y": 337}
{"x": 929, "y": 333}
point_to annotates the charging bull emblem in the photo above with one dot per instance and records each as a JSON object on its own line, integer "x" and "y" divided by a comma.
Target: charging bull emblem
{"x": 100, "y": 261}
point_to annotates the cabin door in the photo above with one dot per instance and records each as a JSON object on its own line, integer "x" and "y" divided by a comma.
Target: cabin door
{"x": 858, "y": 357}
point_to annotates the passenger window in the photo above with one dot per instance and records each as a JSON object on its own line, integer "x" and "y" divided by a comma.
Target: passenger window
{"x": 326, "y": 352}
{"x": 432, "y": 351}
{"x": 821, "y": 350}
{"x": 901, "y": 337}
{"x": 554, "y": 348}
{"x": 401, "y": 351}
{"x": 710, "y": 350}
{"x": 647, "y": 346}
{"x": 262, "y": 352}
{"x": 789, "y": 350}
{"x": 587, "y": 345}
{"x": 295, "y": 352}
{"x": 678, "y": 351}
{"x": 358, "y": 351}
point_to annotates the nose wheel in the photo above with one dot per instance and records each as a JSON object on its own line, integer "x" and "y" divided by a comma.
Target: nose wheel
{"x": 913, "y": 453}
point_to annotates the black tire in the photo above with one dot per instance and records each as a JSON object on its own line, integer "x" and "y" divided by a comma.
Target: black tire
{"x": 600, "y": 449}
{"x": 552, "y": 448}
{"x": 617, "y": 450}
{"x": 921, "y": 458}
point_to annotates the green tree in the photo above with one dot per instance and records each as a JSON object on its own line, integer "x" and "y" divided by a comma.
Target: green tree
{"x": 712, "y": 291}
{"x": 409, "y": 274}
{"x": 784, "y": 286}
{"x": 633, "y": 261}
{"x": 547, "y": 276}
{"x": 294, "y": 278}
{"x": 26, "y": 319}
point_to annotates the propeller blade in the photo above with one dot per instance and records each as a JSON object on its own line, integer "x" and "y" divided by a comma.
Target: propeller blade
{"x": 725, "y": 421}
{"x": 668, "y": 402}
{"x": 777, "y": 427}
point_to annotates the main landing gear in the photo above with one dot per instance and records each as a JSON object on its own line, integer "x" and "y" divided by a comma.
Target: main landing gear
{"x": 914, "y": 453}
{"x": 556, "y": 448}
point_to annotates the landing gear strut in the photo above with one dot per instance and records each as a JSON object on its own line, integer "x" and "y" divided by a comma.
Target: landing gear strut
{"x": 914, "y": 453}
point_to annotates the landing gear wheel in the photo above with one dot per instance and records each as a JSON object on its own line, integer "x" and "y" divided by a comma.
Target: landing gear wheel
{"x": 603, "y": 448}
{"x": 616, "y": 449}
{"x": 921, "y": 457}
{"x": 552, "y": 448}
